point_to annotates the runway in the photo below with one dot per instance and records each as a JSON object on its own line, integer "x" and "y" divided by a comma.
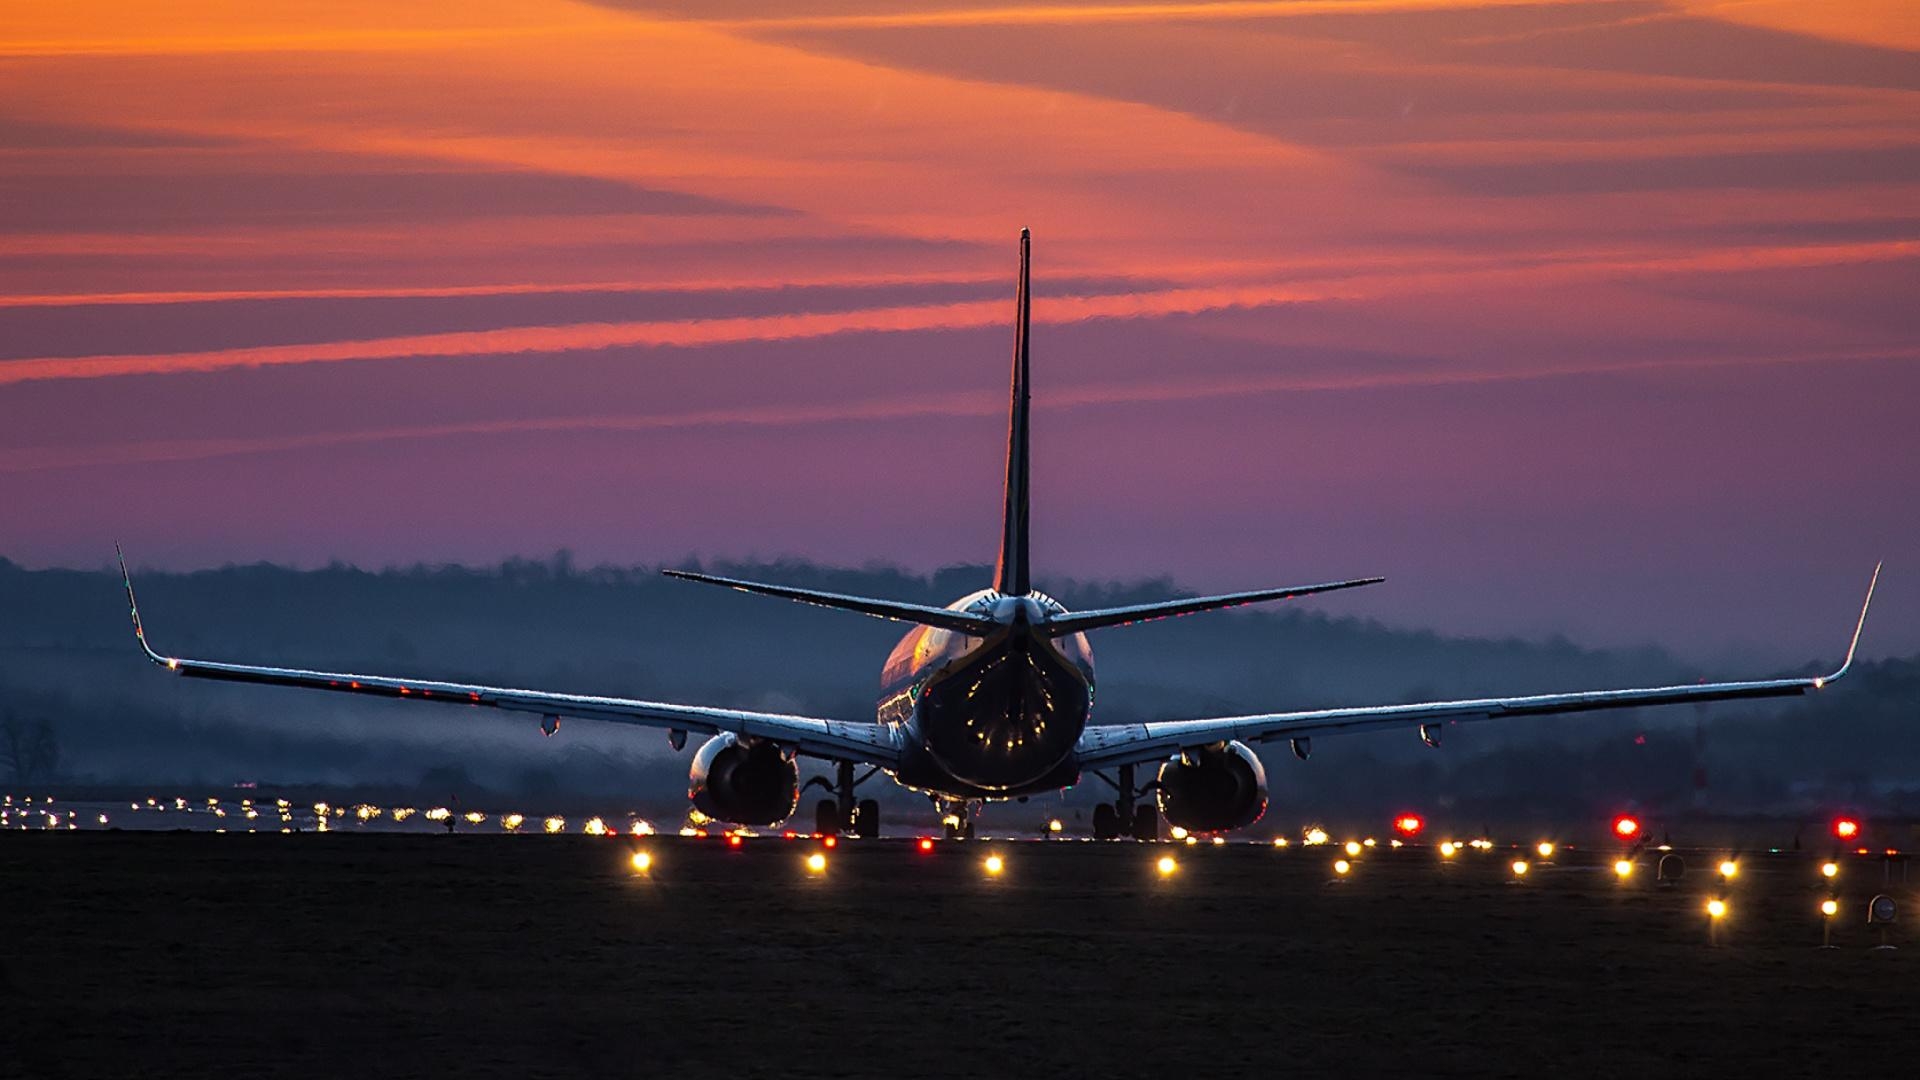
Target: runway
{"x": 403, "y": 955}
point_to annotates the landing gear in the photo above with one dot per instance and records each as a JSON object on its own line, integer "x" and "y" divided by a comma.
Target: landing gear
{"x": 842, "y": 813}
{"x": 1124, "y": 816}
{"x": 826, "y": 817}
{"x": 956, "y": 818}
{"x": 1146, "y": 823}
{"x": 866, "y": 819}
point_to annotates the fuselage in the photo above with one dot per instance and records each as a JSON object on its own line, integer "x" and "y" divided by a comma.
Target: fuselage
{"x": 994, "y": 716}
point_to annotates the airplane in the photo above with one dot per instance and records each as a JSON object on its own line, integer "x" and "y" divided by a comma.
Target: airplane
{"x": 990, "y": 698}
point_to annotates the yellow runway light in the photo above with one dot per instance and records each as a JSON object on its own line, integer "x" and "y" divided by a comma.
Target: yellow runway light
{"x": 1829, "y": 870}
{"x": 1729, "y": 869}
{"x": 1545, "y": 848}
{"x": 1829, "y": 907}
{"x": 1166, "y": 866}
{"x": 1055, "y": 825}
{"x": 1623, "y": 869}
{"x": 1353, "y": 849}
{"x": 642, "y": 862}
{"x": 1716, "y": 909}
{"x": 993, "y": 865}
{"x": 1447, "y": 849}
{"x": 1520, "y": 868}
{"x": 817, "y": 863}
{"x": 1341, "y": 867}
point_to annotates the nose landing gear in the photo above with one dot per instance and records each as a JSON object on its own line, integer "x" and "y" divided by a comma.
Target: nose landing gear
{"x": 956, "y": 817}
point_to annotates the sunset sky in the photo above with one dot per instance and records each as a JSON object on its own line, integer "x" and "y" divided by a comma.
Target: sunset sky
{"x": 1598, "y": 318}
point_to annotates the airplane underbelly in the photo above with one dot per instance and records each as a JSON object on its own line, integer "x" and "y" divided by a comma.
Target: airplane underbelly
{"x": 1007, "y": 718}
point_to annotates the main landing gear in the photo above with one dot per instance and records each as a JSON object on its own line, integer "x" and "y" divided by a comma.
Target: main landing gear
{"x": 1124, "y": 816}
{"x": 843, "y": 813}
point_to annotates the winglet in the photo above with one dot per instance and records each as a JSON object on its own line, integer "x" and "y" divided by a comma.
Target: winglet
{"x": 133, "y": 606}
{"x": 1854, "y": 645}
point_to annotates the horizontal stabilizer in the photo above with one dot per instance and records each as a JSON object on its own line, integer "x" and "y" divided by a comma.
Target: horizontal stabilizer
{"x": 1077, "y": 621}
{"x": 925, "y": 615}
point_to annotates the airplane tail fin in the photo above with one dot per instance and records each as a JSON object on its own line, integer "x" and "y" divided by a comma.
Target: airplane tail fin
{"x": 1011, "y": 574}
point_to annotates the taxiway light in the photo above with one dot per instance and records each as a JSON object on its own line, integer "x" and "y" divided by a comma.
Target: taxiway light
{"x": 1545, "y": 848}
{"x": 1353, "y": 848}
{"x": 1729, "y": 868}
{"x": 1623, "y": 869}
{"x": 1829, "y": 907}
{"x": 1519, "y": 868}
{"x": 552, "y": 824}
{"x": 1341, "y": 867}
{"x": 1829, "y": 870}
{"x": 1626, "y": 827}
{"x": 816, "y": 863}
{"x": 1447, "y": 849}
{"x": 594, "y": 827}
{"x": 1409, "y": 824}
{"x": 1279, "y": 841}
{"x": 475, "y": 817}
{"x": 1166, "y": 866}
{"x": 512, "y": 822}
{"x": 1846, "y": 828}
{"x": 926, "y": 843}
{"x": 1316, "y": 836}
{"x": 1178, "y": 833}
{"x": 642, "y": 862}
{"x": 1716, "y": 909}
{"x": 993, "y": 865}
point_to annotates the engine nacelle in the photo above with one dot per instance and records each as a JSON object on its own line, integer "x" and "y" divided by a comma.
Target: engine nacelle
{"x": 746, "y": 783}
{"x": 1213, "y": 788}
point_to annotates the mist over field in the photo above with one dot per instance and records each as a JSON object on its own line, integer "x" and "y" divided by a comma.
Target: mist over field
{"x": 70, "y": 672}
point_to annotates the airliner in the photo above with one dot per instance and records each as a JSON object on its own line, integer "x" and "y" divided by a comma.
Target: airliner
{"x": 990, "y": 698}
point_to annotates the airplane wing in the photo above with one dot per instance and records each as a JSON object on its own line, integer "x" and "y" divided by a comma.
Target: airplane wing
{"x": 1104, "y": 745}
{"x": 833, "y": 739}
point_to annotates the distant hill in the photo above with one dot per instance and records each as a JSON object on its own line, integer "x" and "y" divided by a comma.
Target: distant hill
{"x": 67, "y": 658}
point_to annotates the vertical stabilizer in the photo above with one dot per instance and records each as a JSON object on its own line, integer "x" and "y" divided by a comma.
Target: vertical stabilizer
{"x": 1011, "y": 575}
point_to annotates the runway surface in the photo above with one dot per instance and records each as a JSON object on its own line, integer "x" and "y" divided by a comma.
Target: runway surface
{"x": 192, "y": 954}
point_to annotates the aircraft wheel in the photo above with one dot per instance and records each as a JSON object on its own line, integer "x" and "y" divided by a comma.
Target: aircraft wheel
{"x": 1106, "y": 822}
{"x": 967, "y": 830}
{"x": 826, "y": 817}
{"x": 866, "y": 819}
{"x": 1146, "y": 823}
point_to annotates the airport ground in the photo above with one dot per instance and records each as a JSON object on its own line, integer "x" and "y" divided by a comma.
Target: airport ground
{"x": 192, "y": 954}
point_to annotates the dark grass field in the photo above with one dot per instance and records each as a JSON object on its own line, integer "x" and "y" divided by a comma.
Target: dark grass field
{"x": 203, "y": 955}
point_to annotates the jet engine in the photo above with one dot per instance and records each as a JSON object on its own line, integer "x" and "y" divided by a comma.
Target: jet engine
{"x": 743, "y": 782}
{"x": 1213, "y": 788}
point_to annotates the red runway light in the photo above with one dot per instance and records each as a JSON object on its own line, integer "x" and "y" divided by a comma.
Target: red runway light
{"x": 926, "y": 843}
{"x": 1625, "y": 827}
{"x": 1846, "y": 828}
{"x": 733, "y": 840}
{"x": 830, "y": 841}
{"x": 1409, "y": 824}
